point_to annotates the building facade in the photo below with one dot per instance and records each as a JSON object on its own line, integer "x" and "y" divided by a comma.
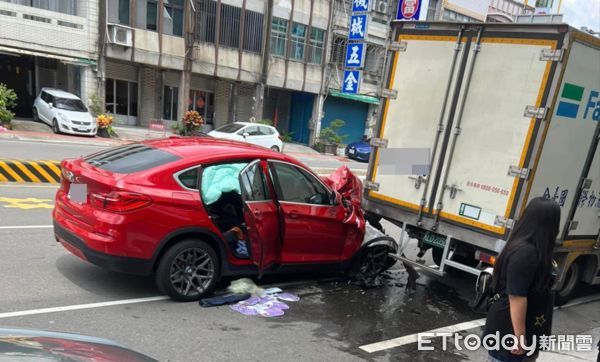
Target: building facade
{"x": 237, "y": 60}
{"x": 52, "y": 43}
{"x": 506, "y": 11}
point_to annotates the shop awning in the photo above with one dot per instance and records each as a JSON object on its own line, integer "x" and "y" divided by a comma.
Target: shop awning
{"x": 354, "y": 97}
{"x": 66, "y": 59}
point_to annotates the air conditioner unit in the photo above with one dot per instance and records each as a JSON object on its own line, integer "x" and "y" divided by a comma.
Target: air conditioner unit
{"x": 381, "y": 6}
{"x": 120, "y": 35}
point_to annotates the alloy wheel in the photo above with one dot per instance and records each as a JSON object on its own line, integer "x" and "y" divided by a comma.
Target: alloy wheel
{"x": 191, "y": 272}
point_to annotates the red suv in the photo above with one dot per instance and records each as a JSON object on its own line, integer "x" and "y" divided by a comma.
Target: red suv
{"x": 192, "y": 210}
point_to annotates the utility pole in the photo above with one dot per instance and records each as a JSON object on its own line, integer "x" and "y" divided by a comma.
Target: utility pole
{"x": 189, "y": 26}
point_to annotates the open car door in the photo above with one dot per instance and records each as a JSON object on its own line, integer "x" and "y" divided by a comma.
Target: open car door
{"x": 261, "y": 216}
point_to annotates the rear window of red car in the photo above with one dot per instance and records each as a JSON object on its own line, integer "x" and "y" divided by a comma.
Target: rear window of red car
{"x": 130, "y": 158}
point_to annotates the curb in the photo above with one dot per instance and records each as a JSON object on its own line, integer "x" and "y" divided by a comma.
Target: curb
{"x": 30, "y": 171}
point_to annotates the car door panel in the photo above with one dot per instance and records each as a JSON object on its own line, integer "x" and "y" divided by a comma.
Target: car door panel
{"x": 261, "y": 215}
{"x": 312, "y": 233}
{"x": 313, "y": 229}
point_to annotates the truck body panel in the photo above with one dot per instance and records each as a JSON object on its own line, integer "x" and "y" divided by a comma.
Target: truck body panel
{"x": 511, "y": 114}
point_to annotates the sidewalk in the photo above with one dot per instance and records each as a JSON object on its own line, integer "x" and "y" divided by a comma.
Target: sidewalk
{"x": 27, "y": 130}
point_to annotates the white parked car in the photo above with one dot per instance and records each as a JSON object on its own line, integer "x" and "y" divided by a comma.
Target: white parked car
{"x": 257, "y": 134}
{"x": 64, "y": 112}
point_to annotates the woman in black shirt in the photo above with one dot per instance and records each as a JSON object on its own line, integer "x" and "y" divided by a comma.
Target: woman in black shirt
{"x": 523, "y": 277}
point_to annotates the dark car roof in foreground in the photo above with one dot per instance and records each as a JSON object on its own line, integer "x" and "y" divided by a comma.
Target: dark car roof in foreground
{"x": 200, "y": 148}
{"x": 36, "y": 345}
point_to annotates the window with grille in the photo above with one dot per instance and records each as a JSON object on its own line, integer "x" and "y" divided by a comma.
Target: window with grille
{"x": 278, "y": 36}
{"x": 338, "y": 50}
{"x": 374, "y": 59}
{"x": 230, "y": 26}
{"x": 298, "y": 41}
{"x": 173, "y": 17}
{"x": 205, "y": 26}
{"x": 315, "y": 46}
{"x": 253, "y": 31}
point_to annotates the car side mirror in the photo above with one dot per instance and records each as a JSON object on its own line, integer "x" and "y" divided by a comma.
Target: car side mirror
{"x": 50, "y": 105}
{"x": 246, "y": 134}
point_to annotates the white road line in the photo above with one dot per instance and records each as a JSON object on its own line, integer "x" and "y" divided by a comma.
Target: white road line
{"x": 13, "y": 185}
{"x": 81, "y": 306}
{"x": 413, "y": 338}
{"x": 26, "y": 227}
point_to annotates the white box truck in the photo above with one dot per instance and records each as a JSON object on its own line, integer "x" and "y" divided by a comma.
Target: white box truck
{"x": 505, "y": 113}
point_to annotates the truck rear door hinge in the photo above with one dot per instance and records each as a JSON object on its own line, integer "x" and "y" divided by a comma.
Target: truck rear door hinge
{"x": 502, "y": 221}
{"x": 551, "y": 55}
{"x": 535, "y": 112}
{"x": 517, "y": 171}
{"x": 370, "y": 185}
{"x": 389, "y": 93}
{"x": 379, "y": 142}
{"x": 398, "y": 46}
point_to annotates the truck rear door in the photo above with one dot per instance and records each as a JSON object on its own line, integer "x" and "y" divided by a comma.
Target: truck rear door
{"x": 496, "y": 117}
{"x": 424, "y": 76}
{"x": 474, "y": 100}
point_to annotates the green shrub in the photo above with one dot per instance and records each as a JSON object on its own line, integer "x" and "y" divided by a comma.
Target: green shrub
{"x": 95, "y": 106}
{"x": 8, "y": 100}
{"x": 330, "y": 134}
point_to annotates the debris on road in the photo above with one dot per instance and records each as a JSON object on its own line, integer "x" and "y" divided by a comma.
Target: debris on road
{"x": 245, "y": 285}
{"x": 223, "y": 299}
{"x": 271, "y": 304}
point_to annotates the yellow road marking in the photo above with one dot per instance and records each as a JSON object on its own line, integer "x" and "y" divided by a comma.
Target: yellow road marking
{"x": 12, "y": 173}
{"x": 26, "y": 171}
{"x": 26, "y": 203}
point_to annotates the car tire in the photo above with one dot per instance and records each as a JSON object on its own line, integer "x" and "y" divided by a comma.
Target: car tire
{"x": 188, "y": 252}
{"x": 569, "y": 287}
{"x": 55, "y": 127}
{"x": 275, "y": 148}
{"x": 35, "y": 116}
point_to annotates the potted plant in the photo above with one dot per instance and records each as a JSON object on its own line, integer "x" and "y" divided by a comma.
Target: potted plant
{"x": 330, "y": 137}
{"x": 8, "y": 100}
{"x": 191, "y": 123}
{"x": 104, "y": 125}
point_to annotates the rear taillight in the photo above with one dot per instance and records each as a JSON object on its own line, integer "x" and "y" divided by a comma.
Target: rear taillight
{"x": 120, "y": 201}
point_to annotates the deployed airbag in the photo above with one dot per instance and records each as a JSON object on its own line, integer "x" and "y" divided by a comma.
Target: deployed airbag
{"x": 219, "y": 179}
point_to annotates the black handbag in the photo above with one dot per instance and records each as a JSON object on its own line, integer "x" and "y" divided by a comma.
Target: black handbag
{"x": 484, "y": 295}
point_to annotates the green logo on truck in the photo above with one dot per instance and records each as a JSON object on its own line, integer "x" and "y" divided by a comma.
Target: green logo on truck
{"x": 571, "y": 97}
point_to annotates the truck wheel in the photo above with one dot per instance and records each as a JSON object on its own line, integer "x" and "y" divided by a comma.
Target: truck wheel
{"x": 188, "y": 270}
{"x": 569, "y": 287}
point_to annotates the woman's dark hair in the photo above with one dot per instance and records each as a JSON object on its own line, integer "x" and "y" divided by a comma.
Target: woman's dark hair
{"x": 538, "y": 226}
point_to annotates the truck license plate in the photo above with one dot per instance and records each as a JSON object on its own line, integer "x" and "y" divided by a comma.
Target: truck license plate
{"x": 434, "y": 239}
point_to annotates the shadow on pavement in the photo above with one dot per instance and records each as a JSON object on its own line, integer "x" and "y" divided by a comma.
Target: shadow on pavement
{"x": 98, "y": 281}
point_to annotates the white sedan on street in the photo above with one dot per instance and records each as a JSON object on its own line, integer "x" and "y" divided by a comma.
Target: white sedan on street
{"x": 64, "y": 112}
{"x": 257, "y": 134}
